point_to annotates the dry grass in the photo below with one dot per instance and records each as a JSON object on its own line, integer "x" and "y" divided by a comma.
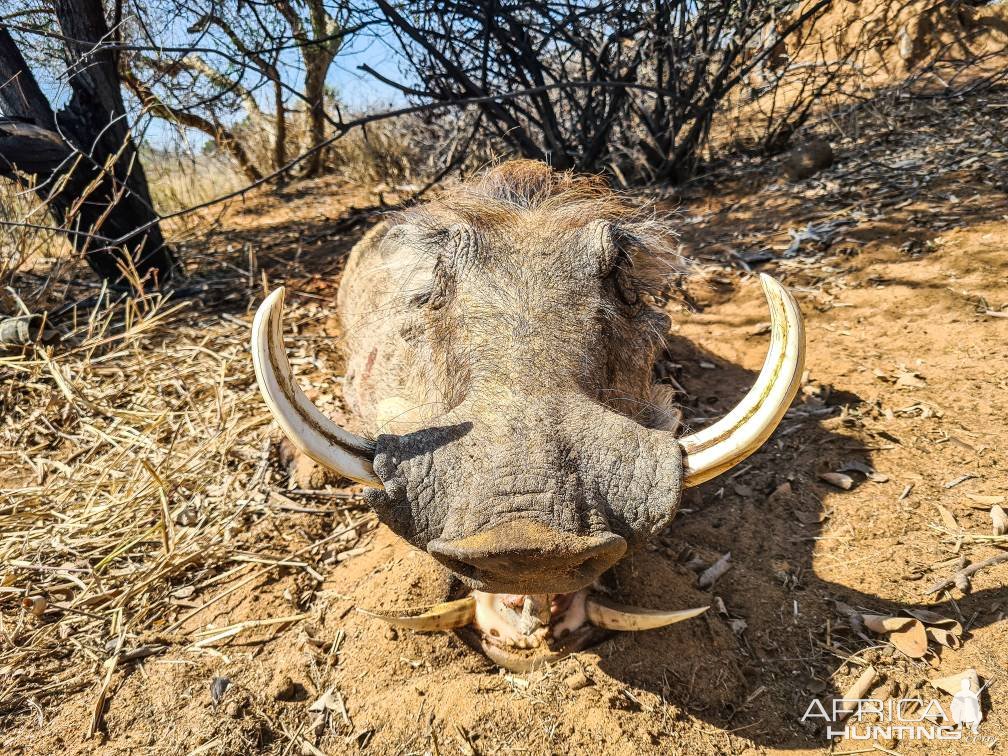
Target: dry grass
{"x": 136, "y": 456}
{"x": 22, "y": 246}
{"x": 387, "y": 151}
{"x": 181, "y": 181}
{"x": 113, "y": 438}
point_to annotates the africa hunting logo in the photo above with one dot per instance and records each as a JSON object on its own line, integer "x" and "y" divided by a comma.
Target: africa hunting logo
{"x": 902, "y": 718}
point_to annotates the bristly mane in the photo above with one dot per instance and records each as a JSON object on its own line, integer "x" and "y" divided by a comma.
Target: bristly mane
{"x": 529, "y": 196}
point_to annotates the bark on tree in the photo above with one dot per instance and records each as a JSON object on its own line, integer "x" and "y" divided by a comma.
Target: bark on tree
{"x": 82, "y": 160}
{"x": 221, "y": 135}
{"x": 315, "y": 94}
{"x": 268, "y": 67}
{"x": 320, "y": 39}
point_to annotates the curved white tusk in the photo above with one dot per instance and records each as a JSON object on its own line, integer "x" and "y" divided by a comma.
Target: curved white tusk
{"x": 311, "y": 431}
{"x": 742, "y": 431}
{"x": 447, "y": 616}
{"x": 610, "y": 616}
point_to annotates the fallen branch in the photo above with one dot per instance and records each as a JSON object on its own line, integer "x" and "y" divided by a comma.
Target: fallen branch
{"x": 962, "y": 577}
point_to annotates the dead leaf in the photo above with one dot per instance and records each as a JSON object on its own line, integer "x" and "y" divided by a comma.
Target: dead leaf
{"x": 933, "y": 618}
{"x": 906, "y": 633}
{"x": 961, "y": 479}
{"x": 882, "y": 375}
{"x": 855, "y": 466}
{"x": 942, "y": 630}
{"x": 999, "y": 519}
{"x": 866, "y": 470}
{"x": 326, "y": 702}
{"x": 710, "y": 576}
{"x": 840, "y": 480}
{"x": 810, "y": 518}
{"x": 910, "y": 379}
{"x": 947, "y": 517}
{"x": 919, "y": 409}
{"x": 852, "y": 615}
{"x": 944, "y": 637}
{"x": 782, "y": 491}
{"x": 953, "y": 683}
{"x": 985, "y": 500}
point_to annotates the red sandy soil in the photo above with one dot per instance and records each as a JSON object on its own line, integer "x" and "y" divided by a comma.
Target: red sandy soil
{"x": 906, "y": 374}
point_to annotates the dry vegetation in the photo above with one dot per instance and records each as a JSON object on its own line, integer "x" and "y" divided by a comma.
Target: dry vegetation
{"x": 166, "y": 588}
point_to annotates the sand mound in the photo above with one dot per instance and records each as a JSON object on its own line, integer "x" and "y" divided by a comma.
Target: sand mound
{"x": 894, "y": 38}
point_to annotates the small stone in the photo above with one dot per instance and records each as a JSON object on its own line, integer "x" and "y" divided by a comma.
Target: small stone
{"x": 218, "y": 688}
{"x": 782, "y": 493}
{"x": 577, "y": 681}
{"x": 391, "y": 634}
{"x": 838, "y": 480}
{"x": 35, "y": 604}
{"x": 285, "y": 689}
{"x": 233, "y": 710}
{"x": 303, "y": 470}
{"x": 187, "y": 517}
{"x": 808, "y": 159}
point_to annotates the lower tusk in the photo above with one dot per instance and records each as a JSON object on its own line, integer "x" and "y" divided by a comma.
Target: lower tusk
{"x": 611, "y": 616}
{"x": 447, "y": 616}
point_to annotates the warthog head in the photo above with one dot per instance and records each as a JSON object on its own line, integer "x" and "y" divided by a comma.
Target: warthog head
{"x": 531, "y": 291}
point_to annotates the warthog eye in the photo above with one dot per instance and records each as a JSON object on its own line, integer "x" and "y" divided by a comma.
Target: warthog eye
{"x": 435, "y": 296}
{"x": 626, "y": 289}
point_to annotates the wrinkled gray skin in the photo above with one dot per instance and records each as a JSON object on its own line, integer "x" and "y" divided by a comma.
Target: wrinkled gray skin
{"x": 500, "y": 347}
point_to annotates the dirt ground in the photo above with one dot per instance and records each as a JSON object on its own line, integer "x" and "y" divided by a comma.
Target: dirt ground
{"x": 907, "y": 376}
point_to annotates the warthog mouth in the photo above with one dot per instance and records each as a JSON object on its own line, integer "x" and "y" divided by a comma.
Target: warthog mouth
{"x": 522, "y": 632}
{"x": 520, "y": 567}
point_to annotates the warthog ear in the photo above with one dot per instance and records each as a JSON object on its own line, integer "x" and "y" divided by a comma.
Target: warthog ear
{"x": 611, "y": 252}
{"x": 603, "y": 239}
{"x": 452, "y": 251}
{"x": 460, "y": 244}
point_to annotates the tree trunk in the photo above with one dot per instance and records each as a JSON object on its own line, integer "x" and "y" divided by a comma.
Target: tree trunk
{"x": 92, "y": 181}
{"x": 317, "y": 66}
{"x": 280, "y": 129}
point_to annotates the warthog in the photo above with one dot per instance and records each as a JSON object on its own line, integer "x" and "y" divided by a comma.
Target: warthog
{"x": 500, "y": 344}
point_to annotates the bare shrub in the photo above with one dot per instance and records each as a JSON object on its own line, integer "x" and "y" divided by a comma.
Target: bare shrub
{"x": 629, "y": 88}
{"x": 386, "y": 151}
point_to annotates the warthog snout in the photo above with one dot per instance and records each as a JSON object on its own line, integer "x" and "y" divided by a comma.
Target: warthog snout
{"x": 524, "y": 550}
{"x": 542, "y": 495}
